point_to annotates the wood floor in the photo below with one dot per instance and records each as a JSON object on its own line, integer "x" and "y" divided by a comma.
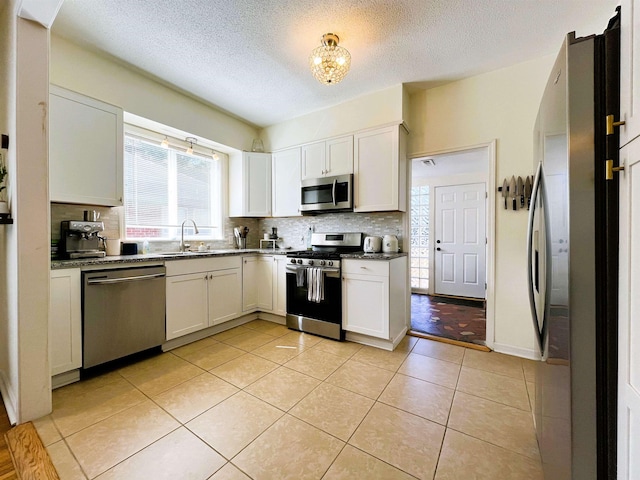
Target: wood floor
{"x": 7, "y": 471}
{"x": 23, "y": 444}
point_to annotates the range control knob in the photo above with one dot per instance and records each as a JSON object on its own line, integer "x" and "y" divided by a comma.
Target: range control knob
{"x": 322, "y": 262}
{"x": 299, "y": 262}
{"x": 330, "y": 263}
{"x": 293, "y": 260}
{"x": 310, "y": 262}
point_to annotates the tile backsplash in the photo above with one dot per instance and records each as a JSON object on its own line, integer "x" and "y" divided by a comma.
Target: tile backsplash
{"x": 291, "y": 230}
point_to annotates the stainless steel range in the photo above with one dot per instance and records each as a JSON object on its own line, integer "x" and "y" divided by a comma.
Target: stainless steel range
{"x": 314, "y": 288}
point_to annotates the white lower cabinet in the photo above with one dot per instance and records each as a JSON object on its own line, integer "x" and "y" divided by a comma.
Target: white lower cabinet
{"x": 257, "y": 283}
{"x": 264, "y": 284}
{"x": 202, "y": 293}
{"x": 374, "y": 296}
{"x": 225, "y": 295}
{"x": 249, "y": 284}
{"x": 280, "y": 285}
{"x": 65, "y": 321}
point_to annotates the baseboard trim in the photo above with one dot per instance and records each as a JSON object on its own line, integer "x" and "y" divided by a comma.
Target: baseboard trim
{"x": 8, "y": 398}
{"x": 30, "y": 457}
{"x": 450, "y": 341}
{"x": 516, "y": 351}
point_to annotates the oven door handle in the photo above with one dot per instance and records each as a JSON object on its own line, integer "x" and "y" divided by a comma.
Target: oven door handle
{"x": 292, "y": 269}
{"x": 333, "y": 191}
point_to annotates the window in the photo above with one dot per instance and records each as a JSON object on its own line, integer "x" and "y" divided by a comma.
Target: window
{"x": 165, "y": 186}
{"x": 420, "y": 238}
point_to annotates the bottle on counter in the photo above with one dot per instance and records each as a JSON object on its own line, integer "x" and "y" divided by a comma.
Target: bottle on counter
{"x": 145, "y": 247}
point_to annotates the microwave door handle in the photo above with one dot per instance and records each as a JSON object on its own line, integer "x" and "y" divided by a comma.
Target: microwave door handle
{"x": 333, "y": 191}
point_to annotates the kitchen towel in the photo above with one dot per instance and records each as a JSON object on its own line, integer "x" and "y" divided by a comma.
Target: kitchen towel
{"x": 301, "y": 275}
{"x": 315, "y": 284}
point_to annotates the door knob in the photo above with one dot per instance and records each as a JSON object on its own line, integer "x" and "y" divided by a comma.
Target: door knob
{"x": 437, "y": 241}
{"x": 438, "y": 249}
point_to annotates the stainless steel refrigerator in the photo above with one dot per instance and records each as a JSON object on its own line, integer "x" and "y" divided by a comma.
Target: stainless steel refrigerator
{"x": 572, "y": 247}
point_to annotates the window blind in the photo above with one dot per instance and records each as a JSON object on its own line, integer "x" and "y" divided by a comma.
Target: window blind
{"x": 165, "y": 186}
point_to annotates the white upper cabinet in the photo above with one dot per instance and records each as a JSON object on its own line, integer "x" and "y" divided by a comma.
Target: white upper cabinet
{"x": 85, "y": 149}
{"x": 379, "y": 168}
{"x": 313, "y": 160}
{"x": 629, "y": 71}
{"x": 286, "y": 183}
{"x": 339, "y": 156}
{"x": 327, "y": 158}
{"x": 250, "y": 185}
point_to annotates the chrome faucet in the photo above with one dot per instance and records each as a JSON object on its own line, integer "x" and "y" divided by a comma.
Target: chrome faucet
{"x": 184, "y": 246}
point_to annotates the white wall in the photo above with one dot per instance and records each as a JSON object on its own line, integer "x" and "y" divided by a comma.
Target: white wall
{"x": 8, "y": 250}
{"x": 499, "y": 105}
{"x": 95, "y": 76}
{"x": 378, "y": 108}
{"x": 24, "y": 246}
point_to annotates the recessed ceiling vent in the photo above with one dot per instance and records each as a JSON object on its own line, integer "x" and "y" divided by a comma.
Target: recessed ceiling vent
{"x": 429, "y": 162}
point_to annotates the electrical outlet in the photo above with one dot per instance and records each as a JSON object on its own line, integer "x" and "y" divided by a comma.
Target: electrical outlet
{"x": 301, "y": 240}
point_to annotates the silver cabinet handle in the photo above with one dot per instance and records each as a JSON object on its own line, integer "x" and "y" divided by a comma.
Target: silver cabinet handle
{"x": 106, "y": 281}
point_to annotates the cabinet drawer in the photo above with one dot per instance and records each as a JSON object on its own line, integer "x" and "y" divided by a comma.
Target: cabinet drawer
{"x": 366, "y": 267}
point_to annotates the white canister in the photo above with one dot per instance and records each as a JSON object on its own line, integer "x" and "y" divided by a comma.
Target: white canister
{"x": 113, "y": 246}
{"x": 390, "y": 244}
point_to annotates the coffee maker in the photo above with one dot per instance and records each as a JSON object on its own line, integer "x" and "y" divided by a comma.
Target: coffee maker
{"x": 81, "y": 239}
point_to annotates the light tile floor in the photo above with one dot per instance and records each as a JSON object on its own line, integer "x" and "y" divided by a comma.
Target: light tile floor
{"x": 264, "y": 402}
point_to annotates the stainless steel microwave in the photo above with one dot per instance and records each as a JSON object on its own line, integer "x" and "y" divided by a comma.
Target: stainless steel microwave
{"x": 327, "y": 194}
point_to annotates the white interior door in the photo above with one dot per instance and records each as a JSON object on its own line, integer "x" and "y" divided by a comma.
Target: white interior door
{"x": 629, "y": 316}
{"x": 460, "y": 240}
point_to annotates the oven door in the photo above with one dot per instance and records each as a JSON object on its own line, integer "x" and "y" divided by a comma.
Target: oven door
{"x": 321, "y": 318}
{"x": 328, "y": 193}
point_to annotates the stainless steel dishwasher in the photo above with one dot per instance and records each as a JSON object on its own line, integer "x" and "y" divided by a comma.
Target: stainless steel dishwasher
{"x": 123, "y": 312}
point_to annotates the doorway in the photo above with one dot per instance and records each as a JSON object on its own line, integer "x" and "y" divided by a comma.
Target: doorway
{"x": 451, "y": 246}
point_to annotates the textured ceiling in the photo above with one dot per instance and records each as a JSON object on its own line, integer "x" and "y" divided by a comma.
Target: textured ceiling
{"x": 249, "y": 57}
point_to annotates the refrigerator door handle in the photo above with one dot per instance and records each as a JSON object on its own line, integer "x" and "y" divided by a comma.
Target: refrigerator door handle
{"x": 530, "y": 268}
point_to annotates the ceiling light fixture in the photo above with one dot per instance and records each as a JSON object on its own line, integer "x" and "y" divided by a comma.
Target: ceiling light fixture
{"x": 191, "y": 141}
{"x": 214, "y": 155}
{"x": 165, "y": 142}
{"x": 329, "y": 62}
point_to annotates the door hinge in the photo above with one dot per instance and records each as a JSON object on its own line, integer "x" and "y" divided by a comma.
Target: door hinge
{"x": 485, "y": 285}
{"x": 611, "y": 124}
{"x": 610, "y": 169}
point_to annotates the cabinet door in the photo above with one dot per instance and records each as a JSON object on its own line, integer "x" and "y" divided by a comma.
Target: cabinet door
{"x": 376, "y": 170}
{"x": 286, "y": 183}
{"x": 257, "y": 184}
{"x": 85, "y": 149}
{"x": 280, "y": 285}
{"x": 629, "y": 70}
{"x": 339, "y": 156}
{"x": 264, "y": 283}
{"x": 313, "y": 160}
{"x": 365, "y": 306}
{"x": 187, "y": 304}
{"x": 249, "y": 282}
{"x": 65, "y": 321}
{"x": 225, "y": 295}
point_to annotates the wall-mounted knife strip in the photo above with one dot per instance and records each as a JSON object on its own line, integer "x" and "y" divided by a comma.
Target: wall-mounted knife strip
{"x": 516, "y": 192}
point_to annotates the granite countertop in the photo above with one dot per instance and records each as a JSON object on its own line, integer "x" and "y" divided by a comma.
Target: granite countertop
{"x": 160, "y": 257}
{"x": 373, "y": 256}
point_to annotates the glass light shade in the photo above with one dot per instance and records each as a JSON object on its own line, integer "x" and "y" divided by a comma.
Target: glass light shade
{"x": 329, "y": 62}
{"x": 165, "y": 143}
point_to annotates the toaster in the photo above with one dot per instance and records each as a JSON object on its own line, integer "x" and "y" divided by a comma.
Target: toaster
{"x": 372, "y": 244}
